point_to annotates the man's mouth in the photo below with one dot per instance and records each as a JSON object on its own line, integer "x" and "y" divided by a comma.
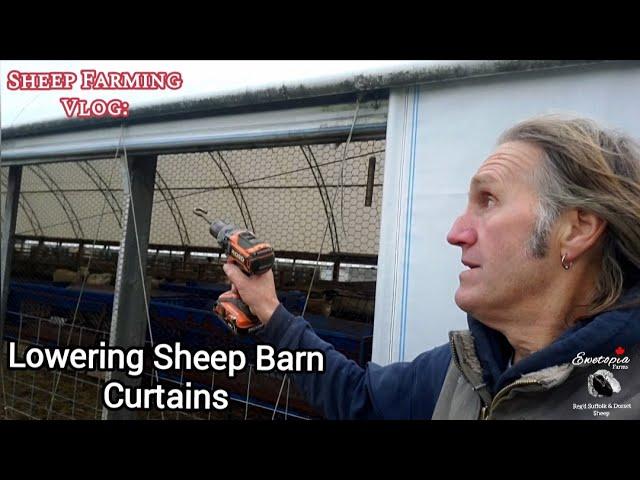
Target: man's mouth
{"x": 470, "y": 265}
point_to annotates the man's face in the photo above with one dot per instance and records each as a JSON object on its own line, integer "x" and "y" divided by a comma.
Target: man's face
{"x": 494, "y": 232}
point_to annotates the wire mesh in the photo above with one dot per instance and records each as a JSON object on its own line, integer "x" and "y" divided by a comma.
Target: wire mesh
{"x": 71, "y": 212}
{"x": 277, "y": 190}
{"x": 61, "y": 285}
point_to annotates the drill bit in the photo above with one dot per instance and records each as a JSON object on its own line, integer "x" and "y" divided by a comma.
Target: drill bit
{"x": 202, "y": 213}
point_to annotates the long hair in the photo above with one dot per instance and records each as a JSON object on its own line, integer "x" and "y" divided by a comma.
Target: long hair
{"x": 587, "y": 167}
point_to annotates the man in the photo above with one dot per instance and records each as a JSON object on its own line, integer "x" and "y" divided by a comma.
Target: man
{"x": 550, "y": 240}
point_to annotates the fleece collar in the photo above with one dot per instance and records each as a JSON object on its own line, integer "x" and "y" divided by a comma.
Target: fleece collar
{"x": 596, "y": 336}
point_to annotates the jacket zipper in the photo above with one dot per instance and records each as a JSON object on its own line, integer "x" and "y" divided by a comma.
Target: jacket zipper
{"x": 486, "y": 410}
{"x": 457, "y": 364}
{"x": 455, "y": 357}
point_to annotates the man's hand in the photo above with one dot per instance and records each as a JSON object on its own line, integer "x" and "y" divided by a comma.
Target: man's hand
{"x": 257, "y": 291}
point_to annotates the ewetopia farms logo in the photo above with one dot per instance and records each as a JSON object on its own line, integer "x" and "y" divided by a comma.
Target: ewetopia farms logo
{"x": 602, "y": 384}
{"x": 617, "y": 362}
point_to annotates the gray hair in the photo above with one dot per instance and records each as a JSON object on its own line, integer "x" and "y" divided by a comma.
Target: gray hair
{"x": 587, "y": 167}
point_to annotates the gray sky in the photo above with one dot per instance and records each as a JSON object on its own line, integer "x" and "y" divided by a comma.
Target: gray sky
{"x": 200, "y": 77}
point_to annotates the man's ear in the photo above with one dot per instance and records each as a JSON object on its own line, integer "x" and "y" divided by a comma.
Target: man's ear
{"x": 581, "y": 231}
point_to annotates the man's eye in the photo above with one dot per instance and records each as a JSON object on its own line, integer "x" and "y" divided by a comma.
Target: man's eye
{"x": 488, "y": 199}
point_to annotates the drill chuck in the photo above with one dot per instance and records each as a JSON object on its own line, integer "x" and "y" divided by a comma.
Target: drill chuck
{"x": 220, "y": 230}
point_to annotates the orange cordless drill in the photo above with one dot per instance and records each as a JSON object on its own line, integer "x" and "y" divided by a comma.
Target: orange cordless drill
{"x": 253, "y": 257}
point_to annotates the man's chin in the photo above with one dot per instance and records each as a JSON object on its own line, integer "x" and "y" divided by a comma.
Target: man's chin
{"x": 466, "y": 300}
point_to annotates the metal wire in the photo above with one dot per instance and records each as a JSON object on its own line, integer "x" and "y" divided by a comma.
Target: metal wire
{"x": 324, "y": 236}
{"x": 85, "y": 277}
{"x": 284, "y": 379}
{"x": 201, "y": 190}
{"x": 246, "y": 409}
{"x": 4, "y": 393}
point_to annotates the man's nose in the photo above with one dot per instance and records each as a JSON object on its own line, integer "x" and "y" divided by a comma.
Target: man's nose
{"x": 462, "y": 233}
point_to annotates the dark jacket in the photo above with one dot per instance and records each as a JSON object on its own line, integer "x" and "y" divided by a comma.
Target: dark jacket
{"x": 410, "y": 390}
